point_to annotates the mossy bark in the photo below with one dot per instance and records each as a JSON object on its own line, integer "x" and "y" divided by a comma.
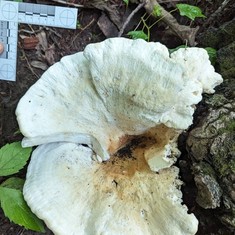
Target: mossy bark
{"x": 211, "y": 146}
{"x": 211, "y": 143}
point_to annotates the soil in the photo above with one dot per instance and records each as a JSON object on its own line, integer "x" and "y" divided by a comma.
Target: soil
{"x": 63, "y": 42}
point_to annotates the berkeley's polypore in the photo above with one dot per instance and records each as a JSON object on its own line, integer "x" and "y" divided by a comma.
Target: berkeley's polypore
{"x": 115, "y": 90}
{"x": 106, "y": 96}
{"x": 76, "y": 195}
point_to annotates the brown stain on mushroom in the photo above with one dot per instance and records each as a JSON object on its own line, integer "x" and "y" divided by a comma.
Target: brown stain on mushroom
{"x": 118, "y": 175}
{"x": 130, "y": 158}
{"x": 116, "y": 145}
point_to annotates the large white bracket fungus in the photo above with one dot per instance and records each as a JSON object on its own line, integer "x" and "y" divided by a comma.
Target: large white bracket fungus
{"x": 115, "y": 90}
{"x": 104, "y": 97}
{"x": 75, "y": 195}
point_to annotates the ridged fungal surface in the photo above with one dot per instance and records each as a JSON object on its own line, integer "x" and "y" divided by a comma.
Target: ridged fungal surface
{"x": 106, "y": 120}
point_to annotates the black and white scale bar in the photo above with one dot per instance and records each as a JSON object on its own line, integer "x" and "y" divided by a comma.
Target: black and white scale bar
{"x": 8, "y": 36}
{"x": 38, "y": 14}
{"x": 12, "y": 13}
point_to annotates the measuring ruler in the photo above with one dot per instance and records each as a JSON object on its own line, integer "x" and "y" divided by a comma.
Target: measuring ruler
{"x": 12, "y": 13}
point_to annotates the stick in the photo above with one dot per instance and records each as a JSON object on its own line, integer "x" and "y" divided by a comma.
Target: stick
{"x": 130, "y": 17}
{"x": 69, "y": 3}
{"x": 184, "y": 32}
{"x": 213, "y": 15}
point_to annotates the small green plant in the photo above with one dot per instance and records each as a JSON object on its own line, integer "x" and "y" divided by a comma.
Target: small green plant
{"x": 12, "y": 159}
{"x": 175, "y": 49}
{"x": 79, "y": 26}
{"x": 184, "y": 9}
{"x": 138, "y": 34}
{"x": 189, "y": 11}
{"x": 212, "y": 54}
{"x": 126, "y": 2}
{"x": 157, "y": 12}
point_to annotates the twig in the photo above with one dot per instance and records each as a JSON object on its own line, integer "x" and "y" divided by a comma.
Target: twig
{"x": 147, "y": 27}
{"x": 164, "y": 1}
{"x": 53, "y": 31}
{"x": 21, "y": 231}
{"x": 30, "y": 67}
{"x": 81, "y": 30}
{"x": 214, "y": 15}
{"x": 68, "y": 3}
{"x": 137, "y": 26}
{"x": 161, "y": 18}
{"x": 30, "y": 26}
{"x": 130, "y": 17}
{"x": 29, "y": 32}
{"x": 183, "y": 31}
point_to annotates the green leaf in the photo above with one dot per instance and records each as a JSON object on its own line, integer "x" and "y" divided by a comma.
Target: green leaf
{"x": 212, "y": 54}
{"x": 14, "y": 183}
{"x": 79, "y": 26}
{"x": 13, "y": 158}
{"x": 157, "y": 11}
{"x": 126, "y": 1}
{"x": 189, "y": 11}
{"x": 175, "y": 49}
{"x": 138, "y": 35}
{"x": 16, "y": 209}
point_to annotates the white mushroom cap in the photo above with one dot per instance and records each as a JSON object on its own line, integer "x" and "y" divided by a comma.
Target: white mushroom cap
{"x": 200, "y": 68}
{"x": 103, "y": 97}
{"x": 141, "y": 86}
{"x": 63, "y": 104}
{"x": 75, "y": 195}
{"x": 112, "y": 91}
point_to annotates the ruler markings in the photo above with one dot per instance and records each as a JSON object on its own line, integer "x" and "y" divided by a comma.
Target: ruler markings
{"x": 12, "y": 13}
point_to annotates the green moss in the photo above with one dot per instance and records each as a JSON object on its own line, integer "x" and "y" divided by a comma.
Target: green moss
{"x": 229, "y": 126}
{"x": 206, "y": 169}
{"x": 218, "y": 37}
{"x": 224, "y": 160}
{"x": 212, "y": 37}
{"x": 229, "y": 219}
{"x": 228, "y": 73}
{"x": 225, "y": 59}
{"x": 229, "y": 29}
{"x": 222, "y": 167}
{"x": 216, "y": 100}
